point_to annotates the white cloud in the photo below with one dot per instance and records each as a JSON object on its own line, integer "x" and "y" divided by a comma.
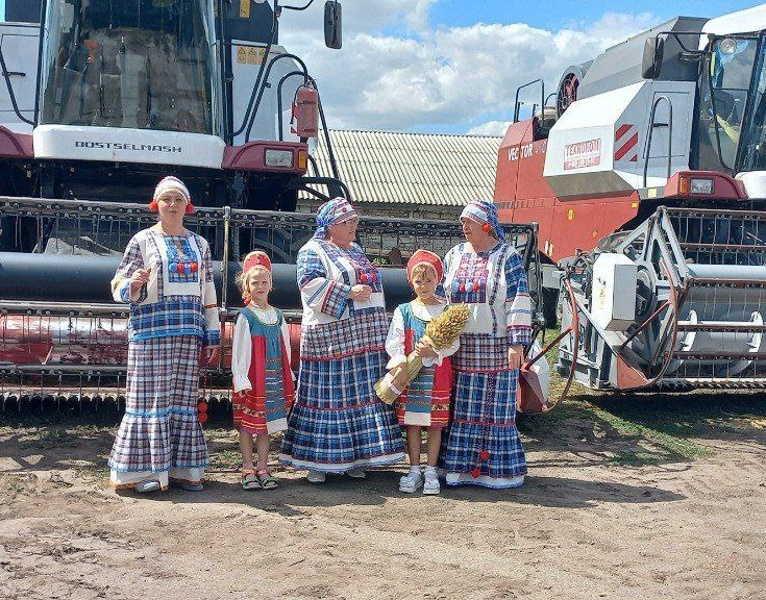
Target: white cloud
{"x": 395, "y": 74}
{"x": 489, "y": 128}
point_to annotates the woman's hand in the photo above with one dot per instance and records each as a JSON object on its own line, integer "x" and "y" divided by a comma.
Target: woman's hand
{"x": 138, "y": 280}
{"x": 360, "y": 292}
{"x": 515, "y": 357}
{"x": 209, "y": 354}
{"x": 424, "y": 350}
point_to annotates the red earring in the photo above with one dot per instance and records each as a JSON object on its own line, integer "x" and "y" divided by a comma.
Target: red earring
{"x": 153, "y": 206}
{"x": 487, "y": 227}
{"x": 189, "y": 208}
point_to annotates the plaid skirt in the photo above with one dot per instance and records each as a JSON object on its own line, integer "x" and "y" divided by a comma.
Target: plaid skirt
{"x": 160, "y": 431}
{"x": 482, "y": 446}
{"x": 337, "y": 422}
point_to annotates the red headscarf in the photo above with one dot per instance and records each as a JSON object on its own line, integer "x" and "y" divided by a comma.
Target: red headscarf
{"x": 424, "y": 257}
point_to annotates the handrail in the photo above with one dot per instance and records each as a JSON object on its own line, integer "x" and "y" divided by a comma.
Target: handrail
{"x": 652, "y": 125}
{"x": 517, "y": 106}
{"x": 11, "y": 92}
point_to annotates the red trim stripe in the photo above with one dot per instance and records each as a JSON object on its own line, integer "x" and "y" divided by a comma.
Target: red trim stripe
{"x": 621, "y": 131}
{"x": 626, "y": 147}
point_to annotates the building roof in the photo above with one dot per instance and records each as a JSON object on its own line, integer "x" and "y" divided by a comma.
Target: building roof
{"x": 413, "y": 168}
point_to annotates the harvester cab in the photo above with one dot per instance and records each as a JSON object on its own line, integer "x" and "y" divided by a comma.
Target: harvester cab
{"x": 649, "y": 189}
{"x": 105, "y": 97}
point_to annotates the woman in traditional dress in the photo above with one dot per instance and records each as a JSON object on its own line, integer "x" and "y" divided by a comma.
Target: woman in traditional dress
{"x": 337, "y": 424}
{"x": 166, "y": 276}
{"x": 483, "y": 446}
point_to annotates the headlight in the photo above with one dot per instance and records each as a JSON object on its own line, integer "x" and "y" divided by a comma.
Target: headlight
{"x": 727, "y": 46}
{"x": 279, "y": 158}
{"x": 701, "y": 186}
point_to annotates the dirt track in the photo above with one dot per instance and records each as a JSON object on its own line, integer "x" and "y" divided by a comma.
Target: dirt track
{"x": 606, "y": 513}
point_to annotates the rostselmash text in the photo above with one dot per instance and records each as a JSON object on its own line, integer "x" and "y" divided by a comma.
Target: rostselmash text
{"x": 128, "y": 146}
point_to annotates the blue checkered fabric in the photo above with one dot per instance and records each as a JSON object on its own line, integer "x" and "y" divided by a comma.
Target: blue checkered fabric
{"x": 160, "y": 429}
{"x": 471, "y": 284}
{"x": 341, "y": 338}
{"x": 481, "y": 352}
{"x": 310, "y": 268}
{"x": 518, "y": 305}
{"x": 171, "y": 315}
{"x": 337, "y": 423}
{"x": 178, "y": 315}
{"x": 484, "y": 419}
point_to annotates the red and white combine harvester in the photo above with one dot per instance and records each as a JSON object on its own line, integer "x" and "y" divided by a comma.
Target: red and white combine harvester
{"x": 99, "y": 100}
{"x": 648, "y": 181}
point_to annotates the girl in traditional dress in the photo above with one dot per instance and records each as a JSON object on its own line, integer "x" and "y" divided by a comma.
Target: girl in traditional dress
{"x": 338, "y": 424}
{"x": 483, "y": 446}
{"x": 425, "y": 402}
{"x": 260, "y": 365}
{"x": 166, "y": 276}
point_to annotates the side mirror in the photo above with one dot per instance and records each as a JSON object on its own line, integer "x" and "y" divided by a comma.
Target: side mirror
{"x": 651, "y": 65}
{"x": 333, "y": 25}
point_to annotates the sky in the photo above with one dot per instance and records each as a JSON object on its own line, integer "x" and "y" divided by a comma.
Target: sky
{"x": 453, "y": 66}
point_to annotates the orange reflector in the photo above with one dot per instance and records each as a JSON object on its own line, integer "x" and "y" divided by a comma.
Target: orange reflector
{"x": 302, "y": 160}
{"x": 683, "y": 185}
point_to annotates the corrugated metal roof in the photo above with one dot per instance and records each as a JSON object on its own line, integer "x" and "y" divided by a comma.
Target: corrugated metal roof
{"x": 412, "y": 168}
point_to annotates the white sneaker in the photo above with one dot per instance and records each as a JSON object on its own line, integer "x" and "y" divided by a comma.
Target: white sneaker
{"x": 316, "y": 477}
{"x": 146, "y": 486}
{"x": 431, "y": 485}
{"x": 356, "y": 473}
{"x": 411, "y": 482}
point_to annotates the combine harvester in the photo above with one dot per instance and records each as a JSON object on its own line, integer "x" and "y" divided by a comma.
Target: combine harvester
{"x": 100, "y": 99}
{"x": 648, "y": 180}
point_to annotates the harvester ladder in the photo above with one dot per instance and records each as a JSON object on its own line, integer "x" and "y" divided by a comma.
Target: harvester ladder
{"x": 652, "y": 126}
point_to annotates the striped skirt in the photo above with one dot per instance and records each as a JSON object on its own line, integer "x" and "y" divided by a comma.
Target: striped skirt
{"x": 482, "y": 446}
{"x": 337, "y": 422}
{"x": 423, "y": 405}
{"x": 160, "y": 436}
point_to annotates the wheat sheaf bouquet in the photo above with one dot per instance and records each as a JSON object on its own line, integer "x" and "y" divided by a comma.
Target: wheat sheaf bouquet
{"x": 441, "y": 332}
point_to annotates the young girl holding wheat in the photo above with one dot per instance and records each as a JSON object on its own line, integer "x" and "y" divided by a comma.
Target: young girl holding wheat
{"x": 424, "y": 401}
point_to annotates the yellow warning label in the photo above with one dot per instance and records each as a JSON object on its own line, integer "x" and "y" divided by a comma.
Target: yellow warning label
{"x": 244, "y": 9}
{"x": 255, "y": 55}
{"x": 241, "y": 55}
{"x": 570, "y": 214}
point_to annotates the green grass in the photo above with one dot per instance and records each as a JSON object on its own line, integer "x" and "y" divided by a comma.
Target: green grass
{"x": 671, "y": 442}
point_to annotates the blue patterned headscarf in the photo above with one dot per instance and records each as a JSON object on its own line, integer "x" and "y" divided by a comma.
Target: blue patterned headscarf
{"x": 331, "y": 212}
{"x": 482, "y": 211}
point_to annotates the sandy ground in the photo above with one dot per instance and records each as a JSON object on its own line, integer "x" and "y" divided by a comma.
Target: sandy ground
{"x": 605, "y": 513}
